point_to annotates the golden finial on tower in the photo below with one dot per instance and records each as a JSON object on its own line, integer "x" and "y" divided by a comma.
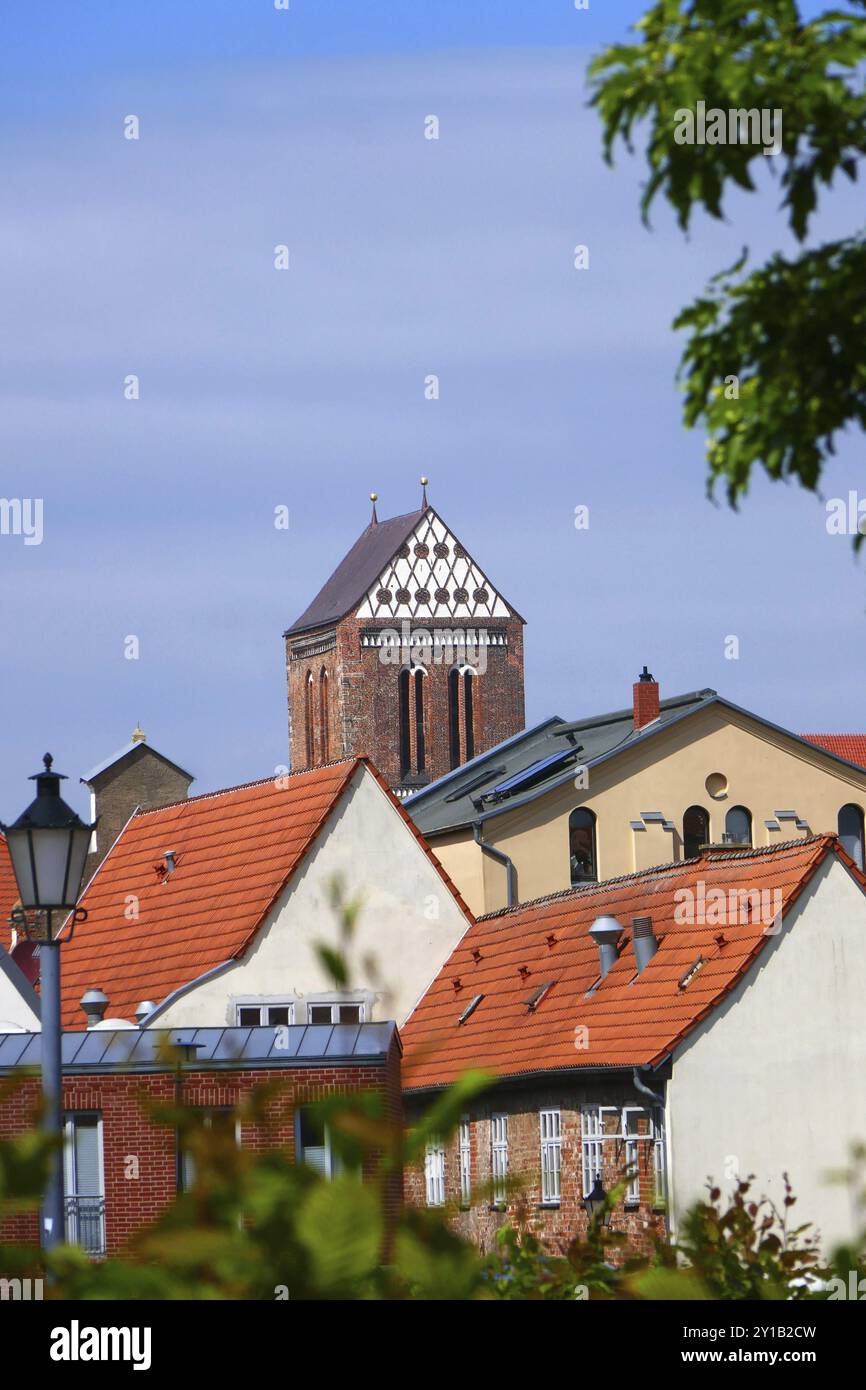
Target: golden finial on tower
{"x": 424, "y": 482}
{"x": 138, "y": 735}
{"x": 374, "y": 497}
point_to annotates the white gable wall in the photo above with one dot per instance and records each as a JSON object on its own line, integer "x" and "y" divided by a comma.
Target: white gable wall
{"x": 409, "y": 922}
{"x": 775, "y": 1080}
{"x": 15, "y": 1011}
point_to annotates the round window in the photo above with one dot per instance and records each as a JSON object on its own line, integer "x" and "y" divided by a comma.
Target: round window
{"x": 717, "y": 785}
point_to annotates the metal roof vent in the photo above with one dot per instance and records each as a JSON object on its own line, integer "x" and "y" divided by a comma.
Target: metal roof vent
{"x": 170, "y": 857}
{"x": 94, "y": 1003}
{"x": 144, "y": 1010}
{"x": 606, "y": 931}
{"x": 645, "y": 942}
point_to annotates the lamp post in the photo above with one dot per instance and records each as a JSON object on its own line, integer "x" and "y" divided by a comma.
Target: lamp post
{"x": 48, "y": 845}
{"x": 595, "y": 1203}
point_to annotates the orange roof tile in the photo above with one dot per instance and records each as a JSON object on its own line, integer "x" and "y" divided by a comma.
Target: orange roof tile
{"x": 629, "y": 1020}
{"x": 852, "y": 747}
{"x": 235, "y": 850}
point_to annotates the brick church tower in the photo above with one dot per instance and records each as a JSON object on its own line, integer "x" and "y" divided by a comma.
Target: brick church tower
{"x": 408, "y": 653}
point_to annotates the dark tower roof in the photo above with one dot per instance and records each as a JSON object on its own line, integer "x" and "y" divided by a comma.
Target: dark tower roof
{"x": 356, "y": 572}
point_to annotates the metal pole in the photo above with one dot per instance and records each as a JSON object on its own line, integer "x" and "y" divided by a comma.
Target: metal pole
{"x": 53, "y": 1215}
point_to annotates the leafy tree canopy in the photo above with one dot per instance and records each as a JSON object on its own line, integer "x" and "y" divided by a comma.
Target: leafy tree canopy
{"x": 774, "y": 366}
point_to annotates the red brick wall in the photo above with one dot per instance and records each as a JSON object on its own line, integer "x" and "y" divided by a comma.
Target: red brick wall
{"x": 556, "y": 1226}
{"x": 121, "y": 1099}
{"x": 364, "y": 702}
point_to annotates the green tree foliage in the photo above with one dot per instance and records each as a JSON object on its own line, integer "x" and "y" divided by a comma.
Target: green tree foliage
{"x": 791, "y": 331}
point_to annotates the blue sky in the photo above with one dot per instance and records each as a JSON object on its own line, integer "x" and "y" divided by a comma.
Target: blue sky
{"x": 305, "y": 388}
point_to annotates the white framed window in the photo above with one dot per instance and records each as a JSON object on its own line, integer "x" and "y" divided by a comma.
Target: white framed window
{"x": 335, "y": 1011}
{"x": 315, "y": 1147}
{"x": 85, "y": 1181}
{"x": 499, "y": 1157}
{"x": 212, "y": 1117}
{"x": 268, "y": 1014}
{"x": 465, "y": 1152}
{"x": 593, "y": 1132}
{"x": 660, "y": 1162}
{"x": 434, "y": 1173}
{"x": 633, "y": 1132}
{"x": 550, "y": 1126}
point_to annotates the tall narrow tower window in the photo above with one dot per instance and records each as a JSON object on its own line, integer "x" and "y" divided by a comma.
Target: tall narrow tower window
{"x": 454, "y": 717}
{"x": 309, "y": 730}
{"x": 469, "y": 712}
{"x": 420, "y": 750}
{"x": 324, "y": 740}
{"x": 405, "y": 738}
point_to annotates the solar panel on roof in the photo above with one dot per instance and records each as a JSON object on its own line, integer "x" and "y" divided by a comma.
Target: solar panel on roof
{"x": 373, "y": 1039}
{"x": 534, "y": 771}
{"x": 12, "y": 1047}
{"x": 343, "y": 1039}
{"x": 315, "y": 1041}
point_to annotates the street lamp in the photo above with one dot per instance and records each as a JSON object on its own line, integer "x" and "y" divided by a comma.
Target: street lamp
{"x": 48, "y": 845}
{"x": 595, "y": 1203}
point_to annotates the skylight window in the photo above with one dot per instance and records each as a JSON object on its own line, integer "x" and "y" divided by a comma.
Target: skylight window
{"x": 535, "y": 999}
{"x": 470, "y": 1008}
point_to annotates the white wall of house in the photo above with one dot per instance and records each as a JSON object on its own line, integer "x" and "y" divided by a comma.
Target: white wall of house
{"x": 15, "y": 1012}
{"x": 775, "y": 1080}
{"x": 408, "y": 923}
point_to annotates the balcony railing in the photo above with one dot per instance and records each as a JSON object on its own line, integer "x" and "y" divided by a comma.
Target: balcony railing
{"x": 85, "y": 1223}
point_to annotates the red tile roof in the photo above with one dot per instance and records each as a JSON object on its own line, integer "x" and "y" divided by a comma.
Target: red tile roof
{"x": 235, "y": 851}
{"x": 8, "y": 893}
{"x": 852, "y": 747}
{"x": 629, "y": 1021}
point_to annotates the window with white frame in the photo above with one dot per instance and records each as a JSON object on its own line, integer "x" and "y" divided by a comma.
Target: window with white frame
{"x": 465, "y": 1151}
{"x": 634, "y": 1129}
{"x": 315, "y": 1147}
{"x": 333, "y": 1011}
{"x": 434, "y": 1173}
{"x": 660, "y": 1167}
{"x": 637, "y": 1135}
{"x": 550, "y": 1125}
{"x": 499, "y": 1157}
{"x": 593, "y": 1131}
{"x": 85, "y": 1183}
{"x": 220, "y": 1117}
{"x": 266, "y": 1015}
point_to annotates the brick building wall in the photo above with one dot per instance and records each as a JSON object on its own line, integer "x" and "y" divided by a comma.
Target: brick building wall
{"x": 363, "y": 698}
{"x": 122, "y": 1100}
{"x": 140, "y": 778}
{"x": 555, "y": 1224}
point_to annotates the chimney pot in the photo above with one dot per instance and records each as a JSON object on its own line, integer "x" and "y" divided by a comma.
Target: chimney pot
{"x": 645, "y": 942}
{"x": 605, "y": 932}
{"x": 645, "y": 694}
{"x": 94, "y": 1003}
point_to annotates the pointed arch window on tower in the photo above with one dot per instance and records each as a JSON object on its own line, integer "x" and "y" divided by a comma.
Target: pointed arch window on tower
{"x": 412, "y": 709}
{"x": 462, "y": 705}
{"x": 309, "y": 727}
{"x": 324, "y": 740}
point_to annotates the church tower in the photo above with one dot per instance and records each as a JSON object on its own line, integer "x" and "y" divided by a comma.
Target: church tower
{"x": 408, "y": 654}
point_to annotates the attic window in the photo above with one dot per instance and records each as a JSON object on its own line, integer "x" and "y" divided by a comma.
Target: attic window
{"x": 535, "y": 998}
{"x": 470, "y": 1008}
{"x": 685, "y": 980}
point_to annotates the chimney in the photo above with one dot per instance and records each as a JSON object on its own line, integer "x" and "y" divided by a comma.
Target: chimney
{"x": 138, "y": 777}
{"x": 644, "y": 939}
{"x": 94, "y": 1003}
{"x": 646, "y": 699}
{"x": 144, "y": 1010}
{"x": 605, "y": 932}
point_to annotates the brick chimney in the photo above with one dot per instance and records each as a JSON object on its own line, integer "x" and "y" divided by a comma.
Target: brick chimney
{"x": 646, "y": 699}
